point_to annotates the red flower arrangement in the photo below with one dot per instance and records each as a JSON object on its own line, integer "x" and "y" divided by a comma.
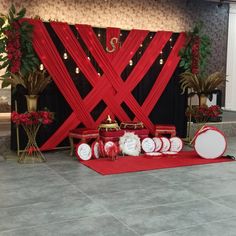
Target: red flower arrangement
{"x": 195, "y": 55}
{"x": 32, "y": 118}
{"x": 203, "y": 114}
{"x": 16, "y": 49}
{"x": 13, "y": 47}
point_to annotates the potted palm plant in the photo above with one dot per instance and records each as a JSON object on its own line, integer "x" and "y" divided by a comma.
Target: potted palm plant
{"x": 202, "y": 86}
{"x": 35, "y": 82}
{"x": 194, "y": 57}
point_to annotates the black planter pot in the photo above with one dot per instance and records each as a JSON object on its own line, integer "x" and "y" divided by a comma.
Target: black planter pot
{"x": 215, "y": 119}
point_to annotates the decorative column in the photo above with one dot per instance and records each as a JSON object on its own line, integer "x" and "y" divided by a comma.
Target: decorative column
{"x": 230, "y": 96}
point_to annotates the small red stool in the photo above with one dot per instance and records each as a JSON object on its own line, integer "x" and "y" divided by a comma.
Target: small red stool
{"x": 83, "y": 134}
{"x": 165, "y": 129}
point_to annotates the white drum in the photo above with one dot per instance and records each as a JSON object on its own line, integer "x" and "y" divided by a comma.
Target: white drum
{"x": 209, "y": 142}
{"x": 165, "y": 144}
{"x": 148, "y": 145}
{"x": 158, "y": 144}
{"x": 95, "y": 150}
{"x": 83, "y": 151}
{"x": 176, "y": 144}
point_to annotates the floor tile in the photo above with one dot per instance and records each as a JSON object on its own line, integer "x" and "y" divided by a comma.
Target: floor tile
{"x": 144, "y": 198}
{"x": 219, "y": 228}
{"x": 117, "y": 183}
{"x": 212, "y": 188}
{"x": 35, "y": 194}
{"x": 48, "y": 212}
{"x": 174, "y": 216}
{"x": 105, "y": 225}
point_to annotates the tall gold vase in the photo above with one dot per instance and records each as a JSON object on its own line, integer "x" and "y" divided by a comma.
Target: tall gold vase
{"x": 32, "y": 101}
{"x": 202, "y": 100}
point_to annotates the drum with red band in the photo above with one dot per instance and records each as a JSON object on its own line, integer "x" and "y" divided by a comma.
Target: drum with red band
{"x": 209, "y": 142}
{"x": 83, "y": 152}
{"x": 95, "y": 149}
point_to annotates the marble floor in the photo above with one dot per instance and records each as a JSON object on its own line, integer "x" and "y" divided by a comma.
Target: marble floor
{"x": 63, "y": 197}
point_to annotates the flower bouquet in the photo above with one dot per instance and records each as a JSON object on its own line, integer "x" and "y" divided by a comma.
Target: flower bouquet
{"x": 203, "y": 114}
{"x": 31, "y": 122}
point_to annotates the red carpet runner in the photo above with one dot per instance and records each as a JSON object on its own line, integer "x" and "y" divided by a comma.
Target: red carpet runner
{"x": 127, "y": 164}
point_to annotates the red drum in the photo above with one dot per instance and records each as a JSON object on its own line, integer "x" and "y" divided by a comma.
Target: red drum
{"x": 209, "y": 142}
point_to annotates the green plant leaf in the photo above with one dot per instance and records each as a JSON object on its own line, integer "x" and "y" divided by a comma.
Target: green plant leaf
{"x": 13, "y": 9}
{"x": 22, "y": 12}
{"x": 5, "y": 83}
{"x": 5, "y": 64}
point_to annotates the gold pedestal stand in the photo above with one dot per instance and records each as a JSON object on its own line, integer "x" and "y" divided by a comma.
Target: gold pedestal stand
{"x": 31, "y": 153}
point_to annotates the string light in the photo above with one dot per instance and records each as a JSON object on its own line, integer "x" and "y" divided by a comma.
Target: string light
{"x": 65, "y": 56}
{"x": 99, "y": 74}
{"x": 41, "y": 67}
{"x": 89, "y": 58}
{"x": 170, "y": 42}
{"x": 77, "y": 70}
{"x": 161, "y": 61}
{"x": 130, "y": 62}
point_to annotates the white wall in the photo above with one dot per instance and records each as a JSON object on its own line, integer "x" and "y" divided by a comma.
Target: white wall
{"x": 230, "y": 95}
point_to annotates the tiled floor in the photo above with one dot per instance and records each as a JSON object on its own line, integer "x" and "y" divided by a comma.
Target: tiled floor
{"x": 63, "y": 197}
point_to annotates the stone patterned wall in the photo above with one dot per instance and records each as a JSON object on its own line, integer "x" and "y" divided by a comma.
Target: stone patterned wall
{"x": 154, "y": 15}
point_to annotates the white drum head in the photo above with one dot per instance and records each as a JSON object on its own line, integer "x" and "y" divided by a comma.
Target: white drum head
{"x": 210, "y": 144}
{"x": 148, "y": 145}
{"x": 83, "y": 152}
{"x": 165, "y": 144}
{"x": 158, "y": 144}
{"x": 176, "y": 144}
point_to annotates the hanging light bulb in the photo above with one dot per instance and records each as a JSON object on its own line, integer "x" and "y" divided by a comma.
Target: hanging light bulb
{"x": 77, "y": 70}
{"x": 141, "y": 45}
{"x": 99, "y": 74}
{"x": 150, "y": 37}
{"x": 65, "y": 56}
{"x": 170, "y": 39}
{"x": 120, "y": 34}
{"x": 130, "y": 62}
{"x": 161, "y": 61}
{"x": 99, "y": 35}
{"x": 89, "y": 58}
{"x": 41, "y": 67}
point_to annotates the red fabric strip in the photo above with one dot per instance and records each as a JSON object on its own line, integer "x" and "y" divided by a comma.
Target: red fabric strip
{"x": 49, "y": 56}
